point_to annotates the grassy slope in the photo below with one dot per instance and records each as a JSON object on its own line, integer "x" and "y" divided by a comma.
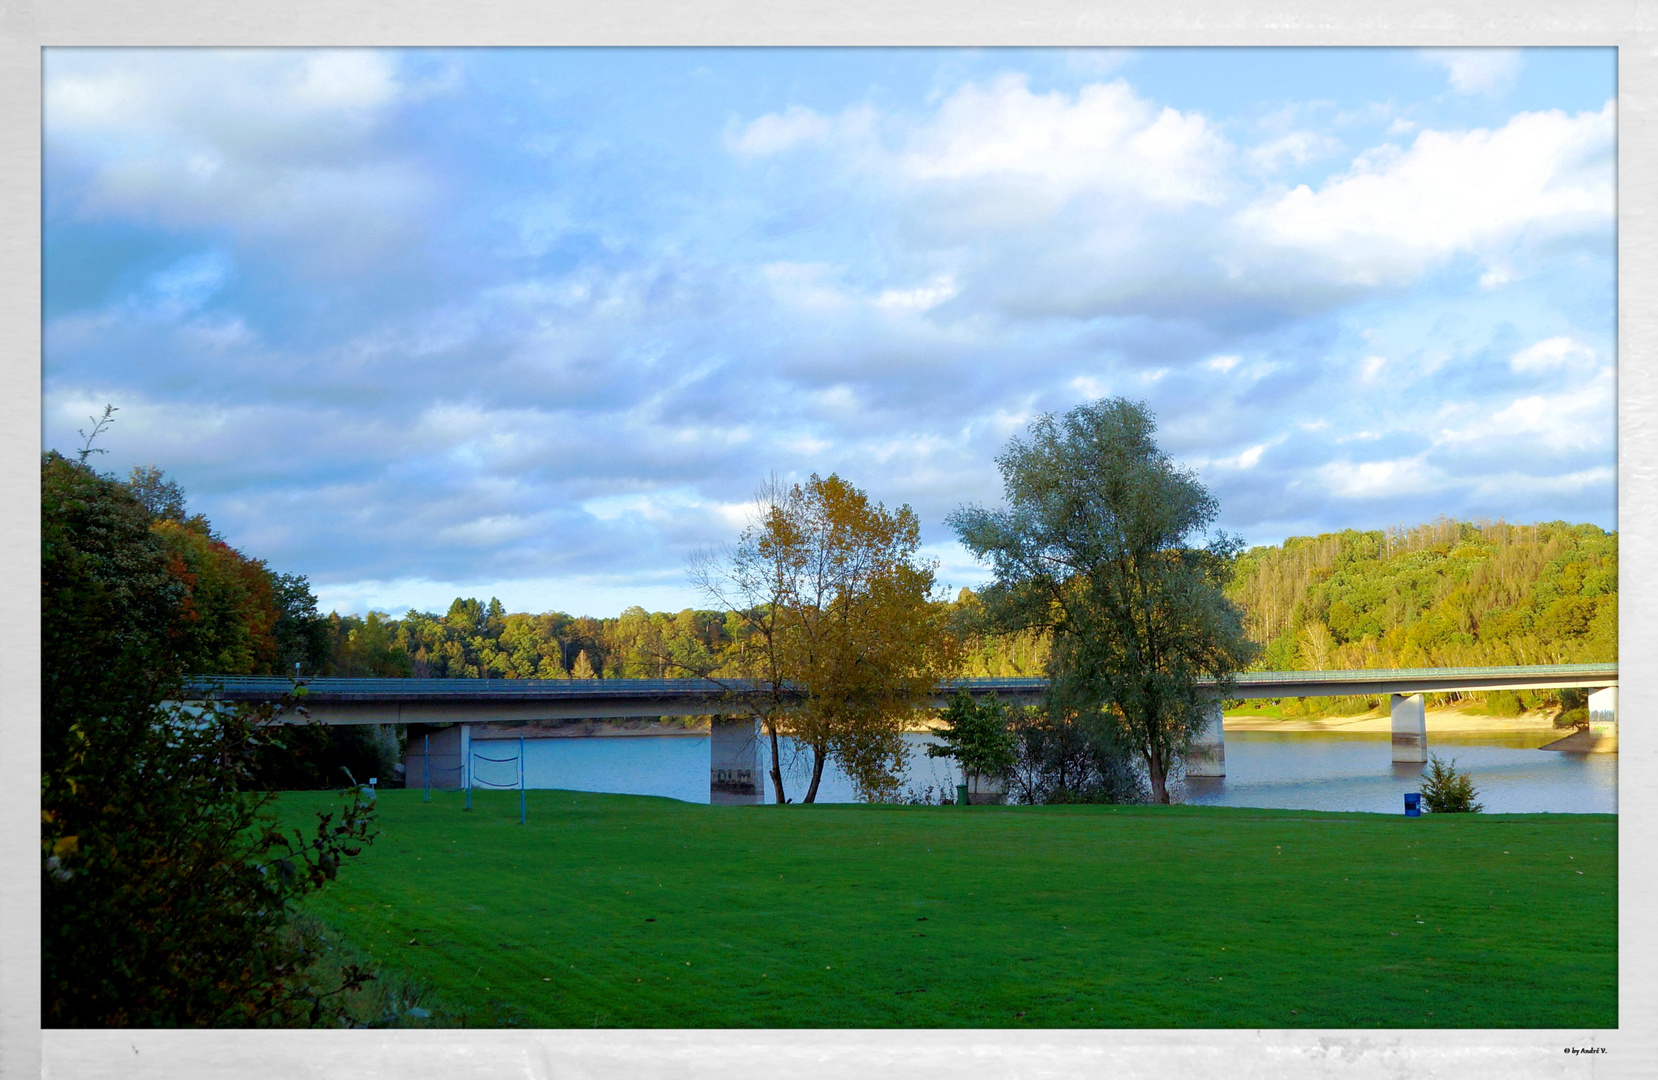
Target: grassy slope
{"x": 892, "y": 916}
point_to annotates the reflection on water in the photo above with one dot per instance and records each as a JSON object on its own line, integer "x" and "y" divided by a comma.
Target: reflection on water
{"x": 925, "y": 777}
{"x": 676, "y": 766}
{"x": 1354, "y": 771}
{"x": 1298, "y": 771}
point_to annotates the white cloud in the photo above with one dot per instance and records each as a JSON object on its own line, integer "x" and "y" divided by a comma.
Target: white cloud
{"x": 1380, "y": 479}
{"x": 1580, "y": 417}
{"x": 1222, "y": 364}
{"x": 1293, "y": 149}
{"x": 1245, "y": 459}
{"x": 920, "y": 298}
{"x": 839, "y": 398}
{"x": 1105, "y": 138}
{"x": 651, "y": 506}
{"x": 1512, "y": 486}
{"x": 1477, "y": 71}
{"x": 796, "y": 126}
{"x": 1396, "y": 212}
{"x": 1496, "y": 275}
{"x": 1553, "y": 354}
{"x": 280, "y": 144}
{"x": 220, "y": 333}
{"x": 345, "y": 79}
{"x": 776, "y": 132}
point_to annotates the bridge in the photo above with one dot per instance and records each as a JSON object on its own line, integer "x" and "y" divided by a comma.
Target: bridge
{"x": 464, "y": 702}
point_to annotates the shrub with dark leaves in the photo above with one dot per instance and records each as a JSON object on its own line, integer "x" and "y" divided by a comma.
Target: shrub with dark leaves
{"x": 166, "y": 885}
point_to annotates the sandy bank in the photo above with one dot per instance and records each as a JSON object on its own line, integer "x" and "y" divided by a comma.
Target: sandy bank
{"x": 1439, "y": 720}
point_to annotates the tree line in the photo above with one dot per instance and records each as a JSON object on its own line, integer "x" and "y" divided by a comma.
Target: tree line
{"x": 1442, "y": 594}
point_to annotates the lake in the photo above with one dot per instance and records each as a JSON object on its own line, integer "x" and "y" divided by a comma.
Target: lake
{"x": 1293, "y": 770}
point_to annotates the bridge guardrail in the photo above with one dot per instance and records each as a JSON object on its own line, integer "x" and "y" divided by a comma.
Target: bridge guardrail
{"x": 246, "y": 687}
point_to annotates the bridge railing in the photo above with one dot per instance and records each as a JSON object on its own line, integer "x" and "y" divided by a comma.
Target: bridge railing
{"x": 243, "y": 687}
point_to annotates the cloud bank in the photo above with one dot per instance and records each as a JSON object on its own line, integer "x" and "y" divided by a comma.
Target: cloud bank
{"x": 535, "y": 326}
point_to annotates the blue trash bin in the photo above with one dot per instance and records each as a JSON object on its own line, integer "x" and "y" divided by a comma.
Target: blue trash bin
{"x": 1413, "y": 804}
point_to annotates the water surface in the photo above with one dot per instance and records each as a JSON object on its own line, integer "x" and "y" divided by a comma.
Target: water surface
{"x": 1354, "y": 771}
{"x": 1288, "y": 770}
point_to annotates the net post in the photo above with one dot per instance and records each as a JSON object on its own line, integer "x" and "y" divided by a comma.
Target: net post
{"x": 466, "y": 762}
{"x": 522, "y": 806}
{"x": 426, "y": 767}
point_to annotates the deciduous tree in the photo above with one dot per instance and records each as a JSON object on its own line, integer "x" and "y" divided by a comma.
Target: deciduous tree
{"x": 1094, "y": 545}
{"x": 841, "y": 631}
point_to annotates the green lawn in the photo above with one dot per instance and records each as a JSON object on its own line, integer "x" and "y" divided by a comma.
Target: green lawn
{"x": 622, "y": 911}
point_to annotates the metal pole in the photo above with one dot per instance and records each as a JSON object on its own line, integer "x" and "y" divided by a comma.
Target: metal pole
{"x": 466, "y": 740}
{"x": 522, "y": 807}
{"x": 426, "y": 767}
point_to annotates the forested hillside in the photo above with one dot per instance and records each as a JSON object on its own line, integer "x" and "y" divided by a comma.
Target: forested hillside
{"x": 1444, "y": 594}
{"x": 1448, "y": 594}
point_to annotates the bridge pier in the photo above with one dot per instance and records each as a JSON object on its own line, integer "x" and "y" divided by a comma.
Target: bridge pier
{"x": 1410, "y": 728}
{"x": 733, "y": 761}
{"x": 1207, "y": 756}
{"x": 1603, "y": 711}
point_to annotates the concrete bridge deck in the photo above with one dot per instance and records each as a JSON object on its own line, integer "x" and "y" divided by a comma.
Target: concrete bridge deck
{"x": 428, "y": 701}
{"x": 733, "y": 765}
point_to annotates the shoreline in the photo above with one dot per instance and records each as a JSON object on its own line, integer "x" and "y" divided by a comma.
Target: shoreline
{"x": 1444, "y": 720}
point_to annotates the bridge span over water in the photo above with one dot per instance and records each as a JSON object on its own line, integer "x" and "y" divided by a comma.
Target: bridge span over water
{"x": 465, "y": 702}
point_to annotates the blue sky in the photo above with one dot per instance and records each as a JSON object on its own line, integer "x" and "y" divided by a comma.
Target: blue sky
{"x": 535, "y": 323}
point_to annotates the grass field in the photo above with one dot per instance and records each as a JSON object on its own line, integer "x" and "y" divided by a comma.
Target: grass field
{"x": 623, "y": 911}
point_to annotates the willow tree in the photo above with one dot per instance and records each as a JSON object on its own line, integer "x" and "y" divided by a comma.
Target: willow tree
{"x": 841, "y": 637}
{"x": 1095, "y": 547}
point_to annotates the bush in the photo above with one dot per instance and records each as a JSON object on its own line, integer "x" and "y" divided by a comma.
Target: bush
{"x": 1572, "y": 718}
{"x": 1574, "y": 708}
{"x": 1447, "y": 791}
{"x": 1071, "y": 759}
{"x": 166, "y": 888}
{"x": 314, "y": 757}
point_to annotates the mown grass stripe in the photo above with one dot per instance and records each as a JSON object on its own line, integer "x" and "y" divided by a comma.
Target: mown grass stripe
{"x": 1072, "y": 916}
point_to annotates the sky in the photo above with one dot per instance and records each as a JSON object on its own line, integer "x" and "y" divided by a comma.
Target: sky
{"x": 535, "y": 324}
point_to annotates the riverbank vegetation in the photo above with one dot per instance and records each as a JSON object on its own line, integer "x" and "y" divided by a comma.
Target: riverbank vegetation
{"x": 1440, "y": 594}
{"x": 166, "y": 889}
{"x": 625, "y": 911}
